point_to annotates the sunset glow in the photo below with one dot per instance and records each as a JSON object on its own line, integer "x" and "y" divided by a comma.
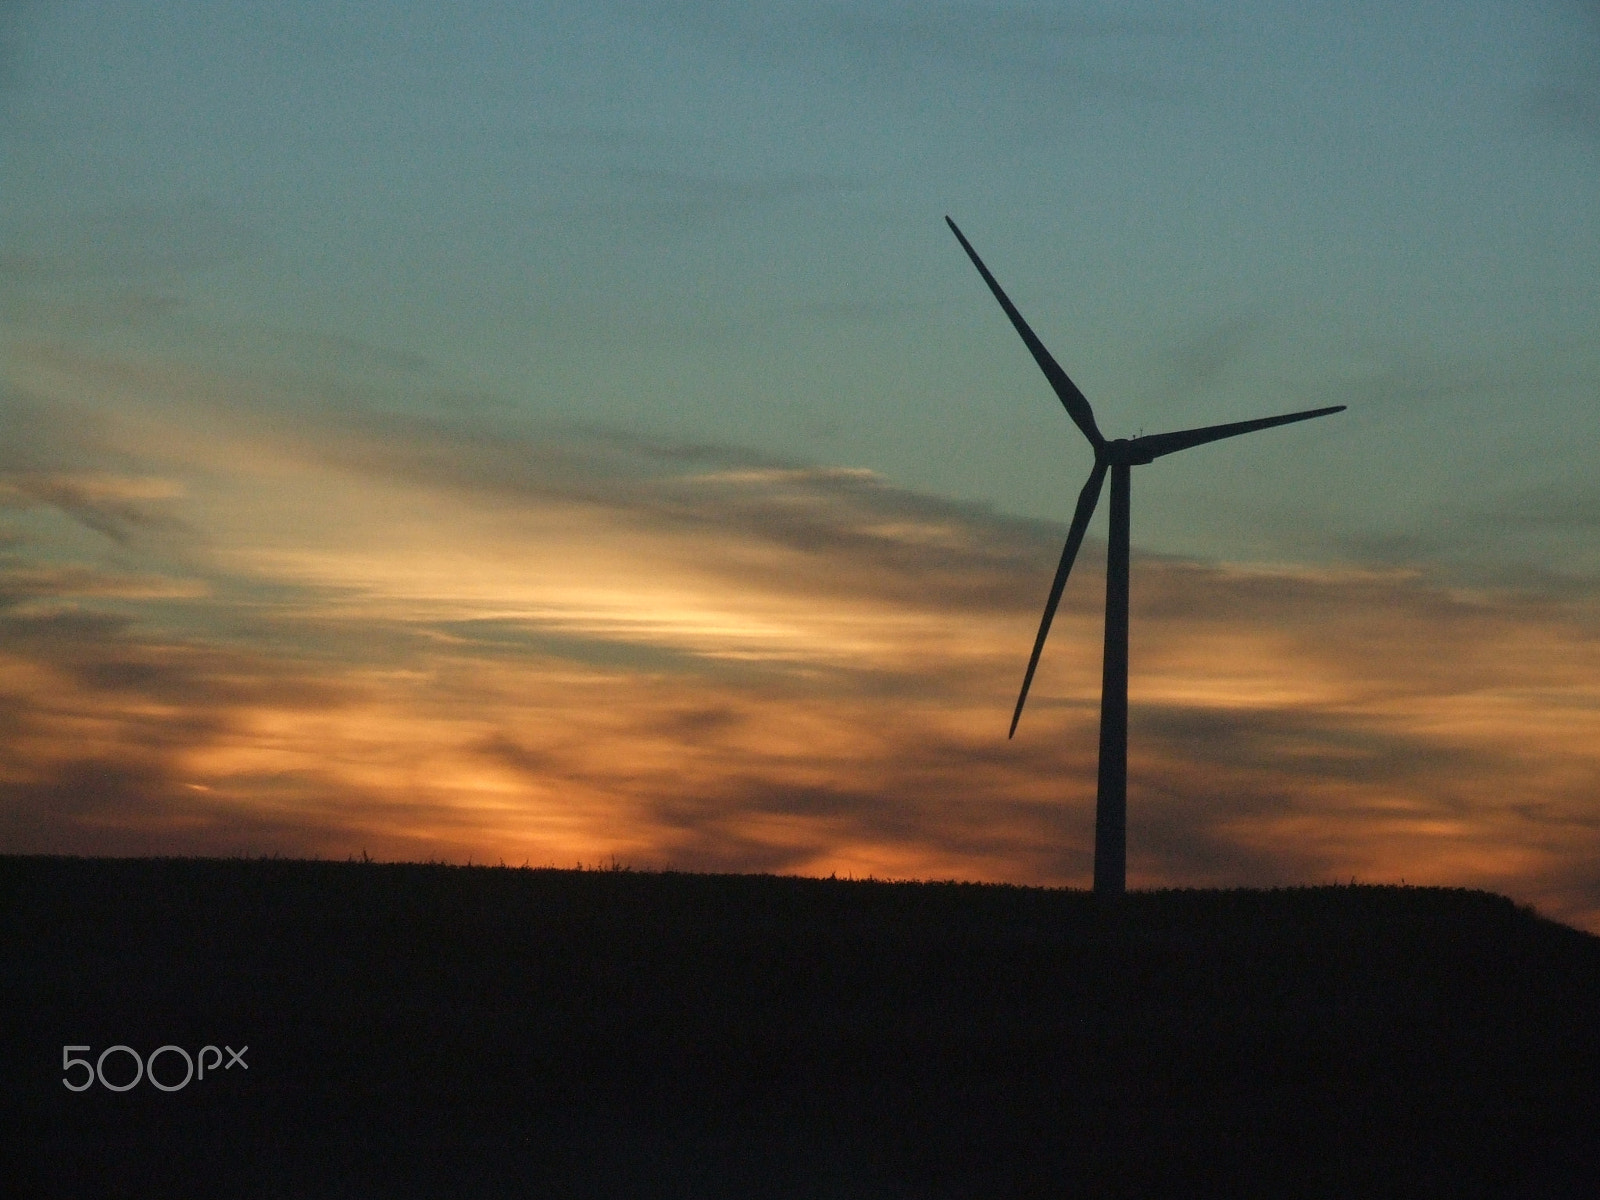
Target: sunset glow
{"x": 415, "y": 553}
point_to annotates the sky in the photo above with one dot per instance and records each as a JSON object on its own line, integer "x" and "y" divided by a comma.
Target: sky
{"x": 569, "y": 433}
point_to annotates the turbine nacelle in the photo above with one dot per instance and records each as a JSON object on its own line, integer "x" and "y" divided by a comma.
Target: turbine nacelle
{"x": 1123, "y": 452}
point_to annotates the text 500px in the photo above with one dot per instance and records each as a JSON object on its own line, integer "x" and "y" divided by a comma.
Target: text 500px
{"x": 145, "y": 1068}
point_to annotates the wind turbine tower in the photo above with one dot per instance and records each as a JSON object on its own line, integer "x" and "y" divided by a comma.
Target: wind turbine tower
{"x": 1119, "y": 457}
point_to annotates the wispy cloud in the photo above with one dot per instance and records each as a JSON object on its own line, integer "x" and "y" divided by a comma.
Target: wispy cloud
{"x": 419, "y": 637}
{"x": 133, "y": 241}
{"x": 108, "y": 504}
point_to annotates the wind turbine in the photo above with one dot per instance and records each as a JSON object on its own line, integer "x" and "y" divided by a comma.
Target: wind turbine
{"x": 1119, "y": 457}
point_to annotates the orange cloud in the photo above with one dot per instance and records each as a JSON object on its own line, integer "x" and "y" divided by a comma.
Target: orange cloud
{"x": 423, "y": 639}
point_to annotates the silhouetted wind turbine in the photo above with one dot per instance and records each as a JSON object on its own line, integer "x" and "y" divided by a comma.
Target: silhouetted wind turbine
{"x": 1119, "y": 457}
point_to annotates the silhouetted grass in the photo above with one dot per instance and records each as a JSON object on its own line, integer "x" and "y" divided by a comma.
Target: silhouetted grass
{"x": 420, "y": 1030}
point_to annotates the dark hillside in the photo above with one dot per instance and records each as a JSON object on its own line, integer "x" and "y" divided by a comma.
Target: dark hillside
{"x": 482, "y": 1032}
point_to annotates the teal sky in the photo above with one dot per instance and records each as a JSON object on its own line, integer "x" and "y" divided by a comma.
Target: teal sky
{"x": 264, "y": 268}
{"x": 722, "y": 223}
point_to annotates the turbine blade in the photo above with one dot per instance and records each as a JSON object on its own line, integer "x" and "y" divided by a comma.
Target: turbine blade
{"x": 1153, "y": 446}
{"x": 1071, "y": 398}
{"x": 1087, "y": 499}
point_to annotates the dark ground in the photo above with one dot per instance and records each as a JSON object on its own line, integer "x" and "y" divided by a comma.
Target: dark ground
{"x": 441, "y": 1031}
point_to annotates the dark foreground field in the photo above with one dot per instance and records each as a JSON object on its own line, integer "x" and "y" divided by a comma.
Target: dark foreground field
{"x": 479, "y": 1032}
